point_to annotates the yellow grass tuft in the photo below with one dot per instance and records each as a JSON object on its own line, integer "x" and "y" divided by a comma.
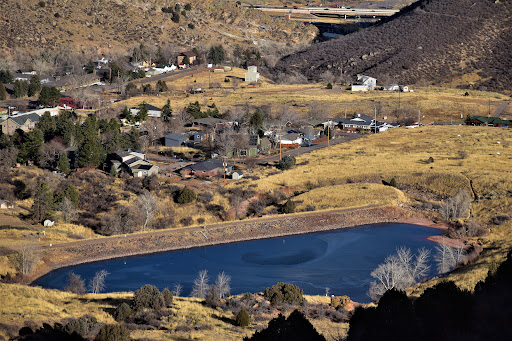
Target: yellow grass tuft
{"x": 349, "y": 196}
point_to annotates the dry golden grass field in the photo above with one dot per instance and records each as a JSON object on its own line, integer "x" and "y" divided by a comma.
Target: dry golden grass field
{"x": 23, "y": 305}
{"x": 433, "y": 103}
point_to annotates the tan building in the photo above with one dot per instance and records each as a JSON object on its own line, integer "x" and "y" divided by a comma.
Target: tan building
{"x": 25, "y": 122}
{"x": 192, "y": 57}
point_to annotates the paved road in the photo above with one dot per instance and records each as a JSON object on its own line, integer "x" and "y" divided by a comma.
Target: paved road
{"x": 500, "y": 109}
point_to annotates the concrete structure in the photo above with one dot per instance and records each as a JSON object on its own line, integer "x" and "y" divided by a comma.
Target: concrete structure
{"x": 252, "y": 74}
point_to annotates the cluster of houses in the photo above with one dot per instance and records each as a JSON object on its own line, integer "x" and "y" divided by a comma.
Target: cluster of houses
{"x": 367, "y": 83}
{"x": 62, "y": 83}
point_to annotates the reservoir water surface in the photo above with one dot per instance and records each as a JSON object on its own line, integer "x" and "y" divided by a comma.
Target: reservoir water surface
{"x": 340, "y": 260}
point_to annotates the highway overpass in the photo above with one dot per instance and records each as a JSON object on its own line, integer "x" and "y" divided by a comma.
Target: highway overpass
{"x": 329, "y": 11}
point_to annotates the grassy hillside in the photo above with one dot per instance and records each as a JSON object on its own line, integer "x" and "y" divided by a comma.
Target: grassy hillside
{"x": 351, "y": 174}
{"x": 455, "y": 42}
{"x": 110, "y": 24}
{"x": 188, "y": 318}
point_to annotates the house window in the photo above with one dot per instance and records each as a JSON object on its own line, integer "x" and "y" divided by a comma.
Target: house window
{"x": 243, "y": 152}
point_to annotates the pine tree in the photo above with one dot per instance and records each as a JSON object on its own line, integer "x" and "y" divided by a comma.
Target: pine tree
{"x": 142, "y": 115}
{"x": 194, "y": 109}
{"x": 47, "y": 125}
{"x": 44, "y": 96}
{"x": 72, "y": 194}
{"x": 3, "y": 93}
{"x": 43, "y": 203}
{"x": 167, "y": 111}
{"x": 91, "y": 152}
{"x": 35, "y": 86}
{"x": 256, "y": 120}
{"x": 20, "y": 89}
{"x": 64, "y": 163}
{"x": 65, "y": 127}
{"x": 30, "y": 147}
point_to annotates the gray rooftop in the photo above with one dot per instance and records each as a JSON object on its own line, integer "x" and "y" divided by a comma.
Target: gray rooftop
{"x": 23, "y": 118}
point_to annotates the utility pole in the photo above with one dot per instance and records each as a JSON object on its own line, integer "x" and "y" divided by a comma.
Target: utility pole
{"x": 419, "y": 116}
{"x": 224, "y": 166}
{"x": 375, "y": 109}
{"x": 399, "y": 91}
{"x": 280, "y": 151}
{"x": 328, "y": 132}
{"x": 489, "y": 107}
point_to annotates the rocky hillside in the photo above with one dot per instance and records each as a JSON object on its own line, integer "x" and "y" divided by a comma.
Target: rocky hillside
{"x": 459, "y": 42}
{"x": 108, "y": 24}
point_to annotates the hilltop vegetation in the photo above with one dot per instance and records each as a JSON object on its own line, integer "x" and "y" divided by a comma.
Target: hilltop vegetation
{"x": 108, "y": 25}
{"x": 457, "y": 42}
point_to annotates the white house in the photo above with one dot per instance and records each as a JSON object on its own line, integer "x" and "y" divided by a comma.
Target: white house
{"x": 290, "y": 140}
{"x": 252, "y": 74}
{"x": 364, "y": 83}
{"x": 152, "y": 111}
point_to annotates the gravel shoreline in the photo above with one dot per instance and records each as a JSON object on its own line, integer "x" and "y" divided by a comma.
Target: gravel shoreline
{"x": 104, "y": 249}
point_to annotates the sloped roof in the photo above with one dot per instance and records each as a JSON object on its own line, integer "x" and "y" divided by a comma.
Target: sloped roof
{"x": 491, "y": 120}
{"x": 189, "y": 54}
{"x": 291, "y": 137}
{"x": 177, "y": 137}
{"x": 22, "y": 119}
{"x": 209, "y": 121}
{"x": 149, "y": 106}
{"x": 206, "y": 166}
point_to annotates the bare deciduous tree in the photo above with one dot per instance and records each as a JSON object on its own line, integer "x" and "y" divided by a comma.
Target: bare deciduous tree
{"x": 447, "y": 257}
{"x": 148, "y": 205}
{"x": 177, "y": 289}
{"x": 68, "y": 210}
{"x": 399, "y": 271}
{"x": 76, "y": 284}
{"x": 97, "y": 284}
{"x": 49, "y": 154}
{"x": 223, "y": 284}
{"x": 457, "y": 206}
{"x": 201, "y": 285}
{"x": 27, "y": 258}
